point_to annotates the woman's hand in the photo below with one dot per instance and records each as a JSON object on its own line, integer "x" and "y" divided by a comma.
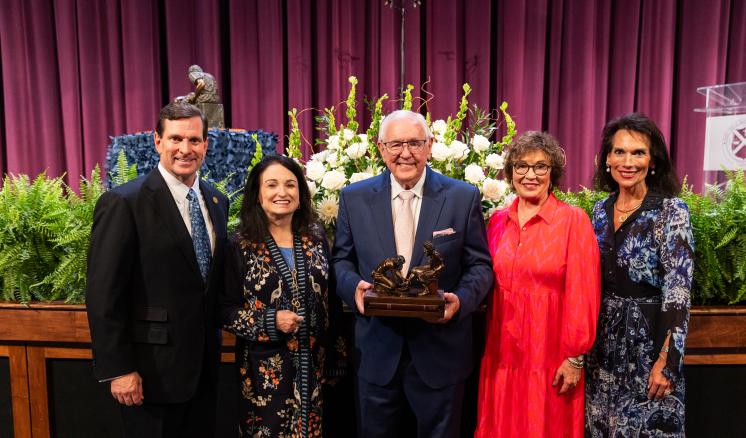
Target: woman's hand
{"x": 658, "y": 385}
{"x": 287, "y": 321}
{"x": 570, "y": 377}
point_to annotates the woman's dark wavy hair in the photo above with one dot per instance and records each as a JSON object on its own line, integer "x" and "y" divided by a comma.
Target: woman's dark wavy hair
{"x": 253, "y": 224}
{"x": 664, "y": 181}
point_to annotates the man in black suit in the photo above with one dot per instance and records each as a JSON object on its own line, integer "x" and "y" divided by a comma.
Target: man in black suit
{"x": 155, "y": 268}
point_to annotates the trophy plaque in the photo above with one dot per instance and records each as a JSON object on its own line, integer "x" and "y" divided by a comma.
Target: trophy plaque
{"x": 416, "y": 295}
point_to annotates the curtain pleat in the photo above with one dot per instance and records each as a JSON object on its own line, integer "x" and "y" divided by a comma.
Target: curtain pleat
{"x": 75, "y": 72}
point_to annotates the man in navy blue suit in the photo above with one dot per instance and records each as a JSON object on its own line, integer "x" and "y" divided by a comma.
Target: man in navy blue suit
{"x": 409, "y": 361}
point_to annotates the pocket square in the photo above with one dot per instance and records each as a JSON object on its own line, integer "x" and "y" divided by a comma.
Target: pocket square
{"x": 441, "y": 233}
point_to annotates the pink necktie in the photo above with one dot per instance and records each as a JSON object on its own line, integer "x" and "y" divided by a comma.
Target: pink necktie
{"x": 404, "y": 228}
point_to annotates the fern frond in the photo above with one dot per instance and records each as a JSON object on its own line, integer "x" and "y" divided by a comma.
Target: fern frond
{"x": 727, "y": 238}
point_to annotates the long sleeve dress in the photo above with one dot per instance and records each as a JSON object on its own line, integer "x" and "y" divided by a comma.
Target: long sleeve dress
{"x": 543, "y": 310}
{"x": 280, "y": 375}
{"x": 647, "y": 267}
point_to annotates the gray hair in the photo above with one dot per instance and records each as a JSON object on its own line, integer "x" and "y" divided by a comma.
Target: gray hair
{"x": 405, "y": 115}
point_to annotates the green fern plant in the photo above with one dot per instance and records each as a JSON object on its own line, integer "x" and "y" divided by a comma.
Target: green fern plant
{"x": 123, "y": 172}
{"x": 719, "y": 224}
{"x": 68, "y": 279}
{"x": 585, "y": 198}
{"x": 30, "y": 211}
{"x": 44, "y": 242}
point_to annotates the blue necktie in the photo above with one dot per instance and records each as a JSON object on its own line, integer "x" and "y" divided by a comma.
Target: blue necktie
{"x": 200, "y": 239}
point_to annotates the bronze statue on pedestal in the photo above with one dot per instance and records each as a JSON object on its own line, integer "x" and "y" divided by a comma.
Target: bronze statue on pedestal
{"x": 205, "y": 96}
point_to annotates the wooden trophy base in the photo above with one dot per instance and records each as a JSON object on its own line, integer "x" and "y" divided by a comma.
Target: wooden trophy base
{"x": 426, "y": 306}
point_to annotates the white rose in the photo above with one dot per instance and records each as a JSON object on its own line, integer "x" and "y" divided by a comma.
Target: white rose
{"x": 359, "y": 176}
{"x": 315, "y": 170}
{"x": 356, "y": 150}
{"x": 333, "y": 142}
{"x": 494, "y": 189}
{"x": 320, "y": 156}
{"x": 439, "y": 127}
{"x": 333, "y": 180}
{"x": 328, "y": 209}
{"x": 440, "y": 152}
{"x": 348, "y": 134}
{"x": 312, "y": 187}
{"x": 474, "y": 174}
{"x": 459, "y": 150}
{"x": 495, "y": 161}
{"x": 480, "y": 143}
{"x": 332, "y": 158}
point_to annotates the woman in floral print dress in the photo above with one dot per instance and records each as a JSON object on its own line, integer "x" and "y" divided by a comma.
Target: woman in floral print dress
{"x": 277, "y": 303}
{"x": 634, "y": 381}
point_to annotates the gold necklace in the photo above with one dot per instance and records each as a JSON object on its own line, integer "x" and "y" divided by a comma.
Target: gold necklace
{"x": 625, "y": 213}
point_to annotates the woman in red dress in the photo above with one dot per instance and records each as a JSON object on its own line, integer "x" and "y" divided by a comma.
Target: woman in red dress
{"x": 542, "y": 315}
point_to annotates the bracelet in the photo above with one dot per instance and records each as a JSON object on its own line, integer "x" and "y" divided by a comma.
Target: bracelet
{"x": 576, "y": 362}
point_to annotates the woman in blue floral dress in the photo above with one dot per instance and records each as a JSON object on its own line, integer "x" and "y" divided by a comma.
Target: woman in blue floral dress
{"x": 634, "y": 380}
{"x": 278, "y": 304}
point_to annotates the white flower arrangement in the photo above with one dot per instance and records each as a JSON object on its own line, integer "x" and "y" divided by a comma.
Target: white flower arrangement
{"x": 349, "y": 156}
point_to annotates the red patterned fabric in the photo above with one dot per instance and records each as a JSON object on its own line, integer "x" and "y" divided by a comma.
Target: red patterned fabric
{"x": 544, "y": 309}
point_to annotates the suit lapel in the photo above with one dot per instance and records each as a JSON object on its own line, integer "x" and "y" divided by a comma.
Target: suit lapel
{"x": 432, "y": 203}
{"x": 380, "y": 207}
{"x": 164, "y": 206}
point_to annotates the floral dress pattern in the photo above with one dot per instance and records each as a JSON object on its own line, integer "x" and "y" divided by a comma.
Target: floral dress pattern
{"x": 647, "y": 267}
{"x": 280, "y": 375}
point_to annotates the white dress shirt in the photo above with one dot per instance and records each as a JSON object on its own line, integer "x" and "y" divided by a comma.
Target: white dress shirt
{"x": 179, "y": 191}
{"x": 418, "y": 188}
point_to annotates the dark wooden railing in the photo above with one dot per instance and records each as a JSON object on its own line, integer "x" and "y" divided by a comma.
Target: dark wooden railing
{"x": 31, "y": 334}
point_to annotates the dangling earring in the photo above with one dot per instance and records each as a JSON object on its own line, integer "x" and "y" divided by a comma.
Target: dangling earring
{"x": 608, "y": 168}
{"x": 652, "y": 171}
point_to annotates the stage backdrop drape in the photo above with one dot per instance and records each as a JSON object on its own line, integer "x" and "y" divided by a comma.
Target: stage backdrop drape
{"x": 75, "y": 72}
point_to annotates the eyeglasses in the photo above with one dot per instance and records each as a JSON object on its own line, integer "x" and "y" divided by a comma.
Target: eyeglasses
{"x": 540, "y": 169}
{"x": 397, "y": 147}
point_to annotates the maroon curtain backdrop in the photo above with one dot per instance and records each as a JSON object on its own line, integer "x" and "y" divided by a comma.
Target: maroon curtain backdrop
{"x": 75, "y": 72}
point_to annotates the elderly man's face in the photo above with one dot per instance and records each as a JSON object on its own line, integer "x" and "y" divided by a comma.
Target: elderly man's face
{"x": 406, "y": 165}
